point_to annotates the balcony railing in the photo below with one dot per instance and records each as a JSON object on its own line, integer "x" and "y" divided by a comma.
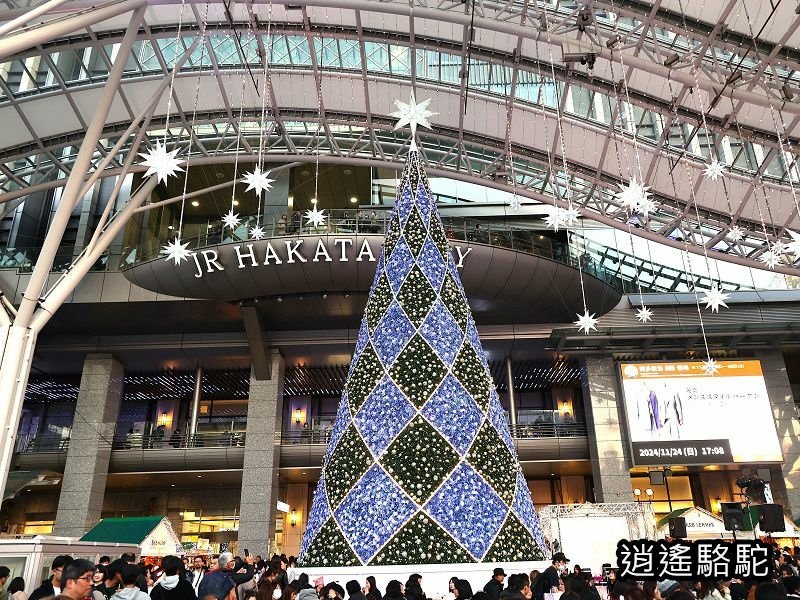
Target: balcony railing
{"x": 314, "y": 436}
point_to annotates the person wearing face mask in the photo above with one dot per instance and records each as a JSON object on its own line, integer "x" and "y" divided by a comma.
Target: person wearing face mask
{"x": 173, "y": 586}
{"x": 548, "y": 581}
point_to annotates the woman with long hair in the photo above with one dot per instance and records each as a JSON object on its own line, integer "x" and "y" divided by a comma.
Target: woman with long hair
{"x": 289, "y": 592}
{"x": 463, "y": 589}
{"x": 16, "y": 589}
{"x": 395, "y": 590}
{"x": 371, "y": 590}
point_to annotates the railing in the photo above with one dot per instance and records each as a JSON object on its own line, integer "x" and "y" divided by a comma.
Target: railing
{"x": 30, "y": 444}
{"x": 355, "y": 222}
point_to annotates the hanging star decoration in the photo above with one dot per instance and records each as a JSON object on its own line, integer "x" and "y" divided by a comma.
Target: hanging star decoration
{"x": 258, "y": 180}
{"x": 412, "y": 114}
{"x": 635, "y": 197}
{"x": 570, "y": 216}
{"x": 257, "y": 233}
{"x": 515, "y": 203}
{"x": 176, "y": 251}
{"x": 710, "y": 366}
{"x": 770, "y": 258}
{"x": 779, "y": 247}
{"x": 231, "y": 219}
{"x": 160, "y": 162}
{"x": 714, "y": 170}
{"x": 586, "y": 322}
{"x": 714, "y": 298}
{"x": 644, "y": 314}
{"x": 793, "y": 247}
{"x": 736, "y": 234}
{"x": 315, "y": 218}
{"x": 562, "y": 217}
{"x": 646, "y": 206}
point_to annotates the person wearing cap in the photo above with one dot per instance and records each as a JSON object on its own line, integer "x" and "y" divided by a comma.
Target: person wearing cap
{"x": 495, "y": 585}
{"x": 217, "y": 585}
{"x": 549, "y": 580}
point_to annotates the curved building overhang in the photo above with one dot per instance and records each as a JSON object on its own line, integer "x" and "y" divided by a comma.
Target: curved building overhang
{"x": 503, "y": 286}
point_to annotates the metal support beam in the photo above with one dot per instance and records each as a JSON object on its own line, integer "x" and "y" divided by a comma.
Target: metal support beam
{"x": 512, "y": 398}
{"x": 197, "y": 394}
{"x": 257, "y": 340}
{"x": 24, "y": 40}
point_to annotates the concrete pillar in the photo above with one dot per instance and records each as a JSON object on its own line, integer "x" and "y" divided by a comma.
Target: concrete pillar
{"x": 608, "y": 448}
{"x": 261, "y": 461}
{"x": 86, "y": 468}
{"x": 788, "y": 428}
{"x": 297, "y": 499}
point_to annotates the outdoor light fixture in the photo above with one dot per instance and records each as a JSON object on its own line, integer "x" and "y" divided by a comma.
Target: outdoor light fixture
{"x": 354, "y": 200}
{"x": 637, "y": 492}
{"x": 293, "y": 518}
{"x": 195, "y": 203}
{"x": 649, "y": 493}
{"x": 162, "y": 420}
{"x": 298, "y": 414}
{"x": 719, "y": 504}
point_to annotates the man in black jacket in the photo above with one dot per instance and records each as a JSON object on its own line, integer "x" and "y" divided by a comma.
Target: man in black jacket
{"x": 354, "y": 590}
{"x": 495, "y": 585}
{"x": 52, "y": 586}
{"x": 548, "y": 581}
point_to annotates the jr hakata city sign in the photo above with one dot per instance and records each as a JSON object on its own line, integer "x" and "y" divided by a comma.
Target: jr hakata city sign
{"x": 297, "y": 250}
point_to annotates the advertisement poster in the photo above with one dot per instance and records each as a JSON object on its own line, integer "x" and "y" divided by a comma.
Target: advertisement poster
{"x": 678, "y": 415}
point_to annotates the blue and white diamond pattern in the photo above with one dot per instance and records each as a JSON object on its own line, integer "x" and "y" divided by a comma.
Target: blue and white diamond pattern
{"x": 497, "y": 417}
{"x": 400, "y": 264}
{"x": 430, "y": 261}
{"x": 450, "y": 399}
{"x": 392, "y": 334}
{"x": 373, "y": 511}
{"x": 339, "y": 426}
{"x": 318, "y": 515}
{"x": 524, "y": 509}
{"x": 384, "y": 414}
{"x": 469, "y": 509}
{"x": 442, "y": 332}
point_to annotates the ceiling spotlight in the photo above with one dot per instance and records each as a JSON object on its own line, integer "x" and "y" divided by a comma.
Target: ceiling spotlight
{"x": 170, "y": 227}
{"x": 171, "y": 485}
{"x": 305, "y": 172}
{"x": 324, "y": 295}
{"x": 353, "y": 200}
{"x": 290, "y": 201}
{"x": 236, "y": 203}
{"x": 279, "y": 299}
{"x": 313, "y": 201}
{"x": 672, "y": 60}
{"x": 195, "y": 203}
{"x": 347, "y": 294}
{"x": 220, "y": 175}
{"x": 199, "y": 476}
{"x": 348, "y": 171}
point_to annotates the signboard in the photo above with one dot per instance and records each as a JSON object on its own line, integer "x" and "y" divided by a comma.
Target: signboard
{"x": 162, "y": 541}
{"x": 679, "y": 415}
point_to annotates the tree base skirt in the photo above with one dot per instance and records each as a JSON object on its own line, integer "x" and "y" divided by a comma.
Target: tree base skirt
{"x": 435, "y": 578}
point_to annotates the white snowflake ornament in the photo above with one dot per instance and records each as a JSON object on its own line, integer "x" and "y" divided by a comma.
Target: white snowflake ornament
{"x": 714, "y": 298}
{"x": 315, "y": 218}
{"x": 412, "y": 114}
{"x": 736, "y": 234}
{"x": 160, "y": 162}
{"x": 231, "y": 219}
{"x": 258, "y": 180}
{"x": 710, "y": 366}
{"x": 770, "y": 258}
{"x": 586, "y": 322}
{"x": 632, "y": 195}
{"x": 257, "y": 233}
{"x": 515, "y": 203}
{"x": 779, "y": 248}
{"x": 176, "y": 251}
{"x": 570, "y": 216}
{"x": 714, "y": 170}
{"x": 644, "y": 314}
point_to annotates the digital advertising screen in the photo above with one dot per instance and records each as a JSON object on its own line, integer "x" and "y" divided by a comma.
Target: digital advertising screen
{"x": 679, "y": 415}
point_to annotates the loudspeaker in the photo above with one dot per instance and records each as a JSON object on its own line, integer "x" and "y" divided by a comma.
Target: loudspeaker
{"x": 732, "y": 515}
{"x": 656, "y": 477}
{"x": 770, "y": 518}
{"x": 677, "y": 527}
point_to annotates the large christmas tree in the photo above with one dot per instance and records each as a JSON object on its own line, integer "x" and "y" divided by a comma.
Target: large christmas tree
{"x": 421, "y": 468}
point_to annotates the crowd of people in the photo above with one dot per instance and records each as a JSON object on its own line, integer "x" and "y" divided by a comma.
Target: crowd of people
{"x": 228, "y": 577}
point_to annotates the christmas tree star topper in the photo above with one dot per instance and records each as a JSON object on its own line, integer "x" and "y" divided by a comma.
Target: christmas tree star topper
{"x": 412, "y": 114}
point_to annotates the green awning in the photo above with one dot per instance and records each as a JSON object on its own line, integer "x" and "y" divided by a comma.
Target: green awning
{"x": 675, "y": 513}
{"x": 122, "y": 530}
